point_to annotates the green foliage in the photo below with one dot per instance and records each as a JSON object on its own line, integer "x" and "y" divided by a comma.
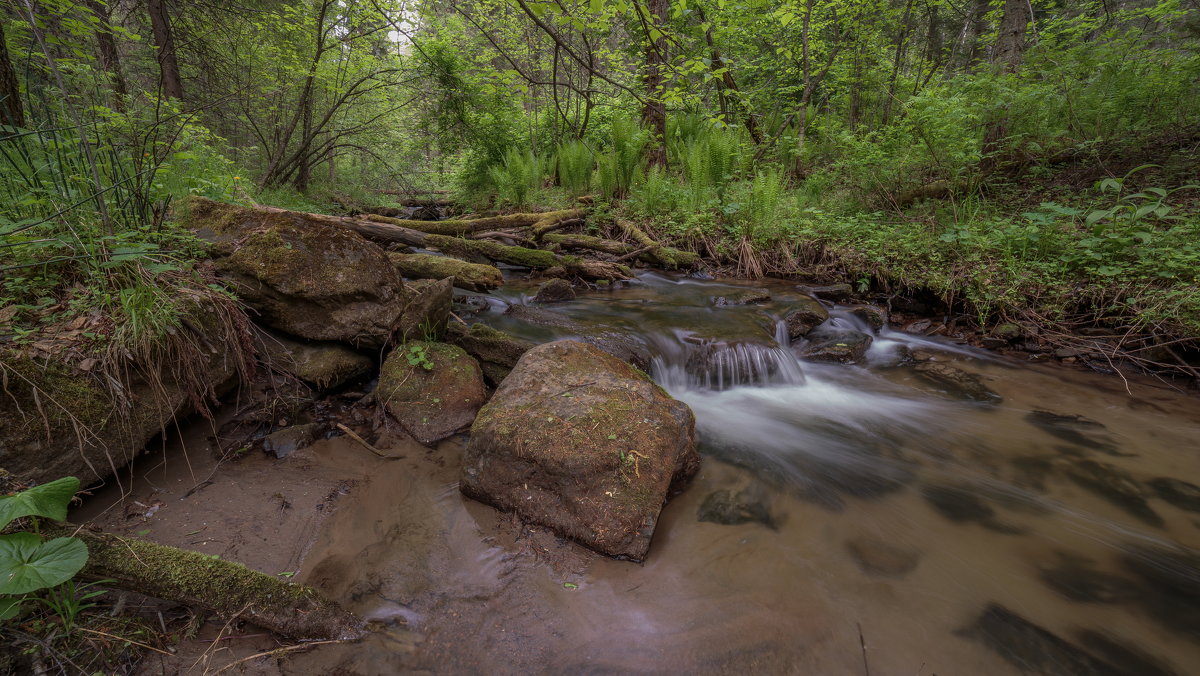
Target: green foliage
{"x": 520, "y": 174}
{"x": 49, "y": 500}
{"x": 417, "y": 355}
{"x": 620, "y": 165}
{"x": 573, "y": 163}
{"x": 27, "y": 563}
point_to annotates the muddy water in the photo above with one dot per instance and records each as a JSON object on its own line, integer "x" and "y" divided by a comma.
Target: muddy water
{"x": 886, "y": 522}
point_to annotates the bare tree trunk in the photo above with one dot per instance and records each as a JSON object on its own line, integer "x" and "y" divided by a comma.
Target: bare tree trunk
{"x": 11, "y": 111}
{"x": 654, "y": 114}
{"x": 107, "y": 50}
{"x": 966, "y": 47}
{"x": 160, "y": 24}
{"x": 730, "y": 85}
{"x": 901, "y": 44}
{"x": 1007, "y": 55}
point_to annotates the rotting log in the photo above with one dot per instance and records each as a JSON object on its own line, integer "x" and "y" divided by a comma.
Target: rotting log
{"x": 589, "y": 243}
{"x": 469, "y": 276}
{"x": 665, "y": 256}
{"x": 226, "y": 588}
{"x": 468, "y": 226}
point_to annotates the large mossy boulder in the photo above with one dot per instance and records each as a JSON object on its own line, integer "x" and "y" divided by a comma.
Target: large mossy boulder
{"x": 579, "y": 441}
{"x": 433, "y": 389}
{"x": 807, "y": 315}
{"x": 303, "y": 276}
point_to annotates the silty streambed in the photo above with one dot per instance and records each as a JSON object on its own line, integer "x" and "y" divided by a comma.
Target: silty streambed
{"x": 883, "y": 517}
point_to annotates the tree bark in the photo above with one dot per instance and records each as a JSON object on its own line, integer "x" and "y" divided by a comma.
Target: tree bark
{"x": 12, "y": 113}
{"x": 106, "y": 48}
{"x": 1007, "y": 55}
{"x": 466, "y": 227}
{"x": 168, "y": 65}
{"x": 966, "y": 47}
{"x": 654, "y": 113}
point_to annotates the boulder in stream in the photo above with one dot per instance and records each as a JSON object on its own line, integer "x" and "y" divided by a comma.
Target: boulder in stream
{"x": 875, "y": 316}
{"x": 844, "y": 346}
{"x": 325, "y": 365}
{"x": 433, "y": 389}
{"x": 555, "y": 291}
{"x": 741, "y": 297}
{"x": 623, "y": 346}
{"x": 751, "y": 504}
{"x": 956, "y": 383}
{"x": 807, "y": 315}
{"x": 581, "y": 442}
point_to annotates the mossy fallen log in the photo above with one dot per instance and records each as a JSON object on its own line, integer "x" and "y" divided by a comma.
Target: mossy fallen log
{"x": 469, "y": 276}
{"x": 466, "y": 227}
{"x": 665, "y": 256}
{"x": 589, "y": 243}
{"x": 226, "y": 588}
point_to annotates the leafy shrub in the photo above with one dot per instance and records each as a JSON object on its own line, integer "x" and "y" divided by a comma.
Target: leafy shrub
{"x": 28, "y": 563}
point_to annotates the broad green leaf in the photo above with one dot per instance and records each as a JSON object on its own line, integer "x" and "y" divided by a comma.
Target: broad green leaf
{"x": 1143, "y": 210}
{"x": 48, "y": 500}
{"x": 9, "y": 607}
{"x": 28, "y": 564}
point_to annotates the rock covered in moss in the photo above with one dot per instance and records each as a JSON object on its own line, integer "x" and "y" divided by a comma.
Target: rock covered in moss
{"x": 302, "y": 276}
{"x": 426, "y": 311}
{"x": 807, "y": 315}
{"x": 555, "y": 291}
{"x": 740, "y": 297}
{"x": 836, "y": 345}
{"x": 581, "y": 442}
{"x": 496, "y": 351}
{"x": 325, "y": 365}
{"x": 875, "y": 317}
{"x": 432, "y": 389}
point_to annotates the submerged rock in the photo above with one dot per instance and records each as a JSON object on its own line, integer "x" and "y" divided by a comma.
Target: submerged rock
{"x": 1031, "y": 648}
{"x": 303, "y": 276}
{"x": 836, "y": 345}
{"x": 326, "y": 366}
{"x": 555, "y": 291}
{"x": 432, "y": 389}
{"x": 581, "y": 442}
{"x": 740, "y": 297}
{"x": 1074, "y": 578}
{"x": 876, "y": 557}
{"x": 752, "y": 504}
{"x": 956, "y": 383}
{"x": 1126, "y": 658}
{"x": 806, "y": 316}
{"x": 1177, "y": 492}
{"x": 1075, "y": 429}
{"x": 962, "y": 504}
{"x": 1172, "y": 589}
{"x": 1116, "y": 486}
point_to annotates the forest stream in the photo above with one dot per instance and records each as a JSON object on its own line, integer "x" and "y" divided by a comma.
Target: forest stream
{"x": 878, "y": 518}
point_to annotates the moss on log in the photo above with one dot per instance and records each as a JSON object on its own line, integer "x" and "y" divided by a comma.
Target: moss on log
{"x": 665, "y": 256}
{"x": 469, "y": 276}
{"x": 227, "y": 588}
{"x": 590, "y": 243}
{"x": 465, "y": 227}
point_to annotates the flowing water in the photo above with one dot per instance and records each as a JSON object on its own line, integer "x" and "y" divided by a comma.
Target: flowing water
{"x": 878, "y": 518}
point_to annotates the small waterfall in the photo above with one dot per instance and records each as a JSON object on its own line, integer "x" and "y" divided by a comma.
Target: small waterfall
{"x": 715, "y": 365}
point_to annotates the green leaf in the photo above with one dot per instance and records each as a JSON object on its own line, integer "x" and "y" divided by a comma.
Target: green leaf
{"x": 10, "y": 606}
{"x": 28, "y": 564}
{"x": 570, "y": 585}
{"x": 49, "y": 500}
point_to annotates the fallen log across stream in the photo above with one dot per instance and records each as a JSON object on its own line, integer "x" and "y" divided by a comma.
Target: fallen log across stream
{"x": 226, "y": 588}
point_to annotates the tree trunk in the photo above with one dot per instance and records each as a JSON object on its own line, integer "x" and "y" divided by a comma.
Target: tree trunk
{"x": 106, "y": 48}
{"x": 160, "y": 24}
{"x": 900, "y": 45}
{"x": 966, "y": 47}
{"x": 11, "y": 111}
{"x": 1010, "y": 48}
{"x": 654, "y": 114}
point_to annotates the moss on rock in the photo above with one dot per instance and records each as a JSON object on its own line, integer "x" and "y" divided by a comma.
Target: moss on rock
{"x": 433, "y": 389}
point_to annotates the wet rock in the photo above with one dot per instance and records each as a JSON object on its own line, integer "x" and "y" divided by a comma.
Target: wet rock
{"x": 962, "y": 504}
{"x": 838, "y": 293}
{"x": 1031, "y": 472}
{"x": 836, "y": 345}
{"x": 741, "y": 297}
{"x": 581, "y": 442}
{"x": 555, "y": 291}
{"x": 1074, "y": 578}
{"x": 1031, "y": 648}
{"x": 543, "y": 317}
{"x": 1125, "y": 658}
{"x": 432, "y": 389}
{"x": 918, "y": 326}
{"x": 876, "y": 557}
{"x": 993, "y": 343}
{"x": 1116, "y": 486}
{"x": 1074, "y": 429}
{"x": 752, "y": 504}
{"x": 302, "y": 276}
{"x": 807, "y": 315}
{"x": 621, "y": 345}
{"x": 288, "y": 440}
{"x": 1177, "y": 492}
{"x": 468, "y": 306}
{"x": 496, "y": 351}
{"x": 327, "y": 366}
{"x": 426, "y": 310}
{"x": 875, "y": 316}
{"x": 956, "y": 383}
{"x": 1172, "y": 591}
